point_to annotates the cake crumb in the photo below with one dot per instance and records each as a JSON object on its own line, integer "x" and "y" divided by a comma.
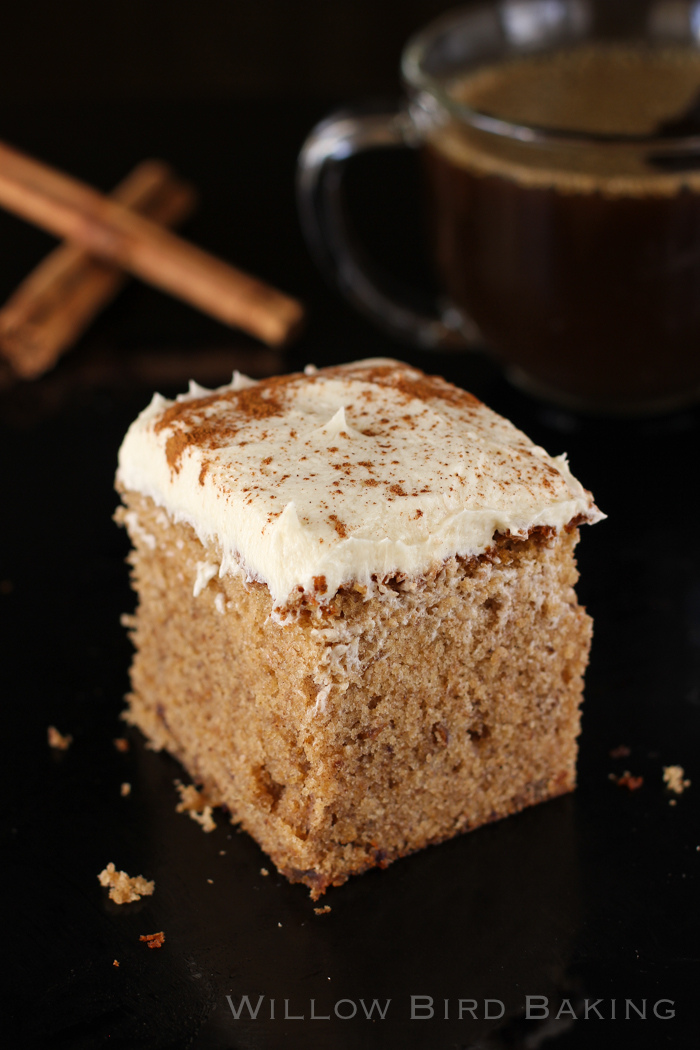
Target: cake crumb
{"x": 58, "y": 740}
{"x": 222, "y": 852}
{"x": 322, "y": 911}
{"x": 674, "y": 779}
{"x": 125, "y": 790}
{"x": 623, "y": 751}
{"x": 122, "y": 888}
{"x": 153, "y": 940}
{"x": 672, "y": 802}
{"x": 630, "y": 782}
{"x": 121, "y": 743}
{"x": 195, "y": 803}
{"x": 115, "y": 963}
{"x": 264, "y": 871}
{"x": 210, "y": 881}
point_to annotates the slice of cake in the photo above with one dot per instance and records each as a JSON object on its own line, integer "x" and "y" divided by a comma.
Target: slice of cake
{"x": 356, "y": 626}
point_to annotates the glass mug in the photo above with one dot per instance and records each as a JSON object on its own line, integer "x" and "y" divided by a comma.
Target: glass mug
{"x": 560, "y": 141}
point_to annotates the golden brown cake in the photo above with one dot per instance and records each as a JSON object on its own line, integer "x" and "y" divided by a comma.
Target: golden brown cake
{"x": 356, "y": 625}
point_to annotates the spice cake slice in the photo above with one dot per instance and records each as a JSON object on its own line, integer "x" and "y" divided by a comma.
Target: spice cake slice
{"x": 356, "y": 624}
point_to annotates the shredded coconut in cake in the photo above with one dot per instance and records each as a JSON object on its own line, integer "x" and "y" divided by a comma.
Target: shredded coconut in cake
{"x": 310, "y": 481}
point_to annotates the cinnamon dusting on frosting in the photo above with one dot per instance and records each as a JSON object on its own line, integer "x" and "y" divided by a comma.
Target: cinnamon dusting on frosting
{"x": 338, "y": 525}
{"x": 349, "y": 474}
{"x": 414, "y": 387}
{"x": 197, "y": 427}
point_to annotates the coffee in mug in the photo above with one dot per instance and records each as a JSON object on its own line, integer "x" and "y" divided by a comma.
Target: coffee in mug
{"x": 561, "y": 147}
{"x": 580, "y": 263}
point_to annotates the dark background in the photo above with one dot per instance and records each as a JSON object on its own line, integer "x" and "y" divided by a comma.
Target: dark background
{"x": 208, "y": 49}
{"x": 591, "y": 896}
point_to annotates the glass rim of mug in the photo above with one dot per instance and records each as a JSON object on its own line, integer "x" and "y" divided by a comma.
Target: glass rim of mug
{"x": 420, "y": 81}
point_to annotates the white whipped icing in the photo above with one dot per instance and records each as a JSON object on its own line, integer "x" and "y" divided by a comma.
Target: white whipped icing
{"x": 343, "y": 475}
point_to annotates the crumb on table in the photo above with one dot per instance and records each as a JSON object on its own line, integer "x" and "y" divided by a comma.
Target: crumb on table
{"x": 322, "y": 911}
{"x": 123, "y": 889}
{"x": 628, "y": 781}
{"x": 115, "y": 963}
{"x": 58, "y": 740}
{"x": 264, "y": 871}
{"x": 153, "y": 940}
{"x": 195, "y": 803}
{"x": 674, "y": 779}
{"x": 121, "y": 743}
{"x": 125, "y": 790}
{"x": 623, "y": 751}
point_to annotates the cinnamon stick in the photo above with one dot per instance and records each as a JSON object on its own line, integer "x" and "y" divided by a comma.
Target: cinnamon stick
{"x": 104, "y": 227}
{"x": 55, "y": 304}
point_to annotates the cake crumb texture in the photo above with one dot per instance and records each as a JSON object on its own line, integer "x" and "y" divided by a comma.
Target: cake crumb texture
{"x": 123, "y": 889}
{"x": 366, "y": 727}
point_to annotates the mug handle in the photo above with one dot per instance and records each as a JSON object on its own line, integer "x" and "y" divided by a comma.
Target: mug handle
{"x": 323, "y": 218}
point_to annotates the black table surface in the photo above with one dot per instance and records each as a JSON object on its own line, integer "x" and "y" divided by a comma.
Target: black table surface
{"x": 589, "y": 901}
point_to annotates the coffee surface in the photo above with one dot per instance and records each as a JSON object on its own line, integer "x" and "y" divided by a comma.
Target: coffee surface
{"x": 593, "y": 89}
{"x": 597, "y": 88}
